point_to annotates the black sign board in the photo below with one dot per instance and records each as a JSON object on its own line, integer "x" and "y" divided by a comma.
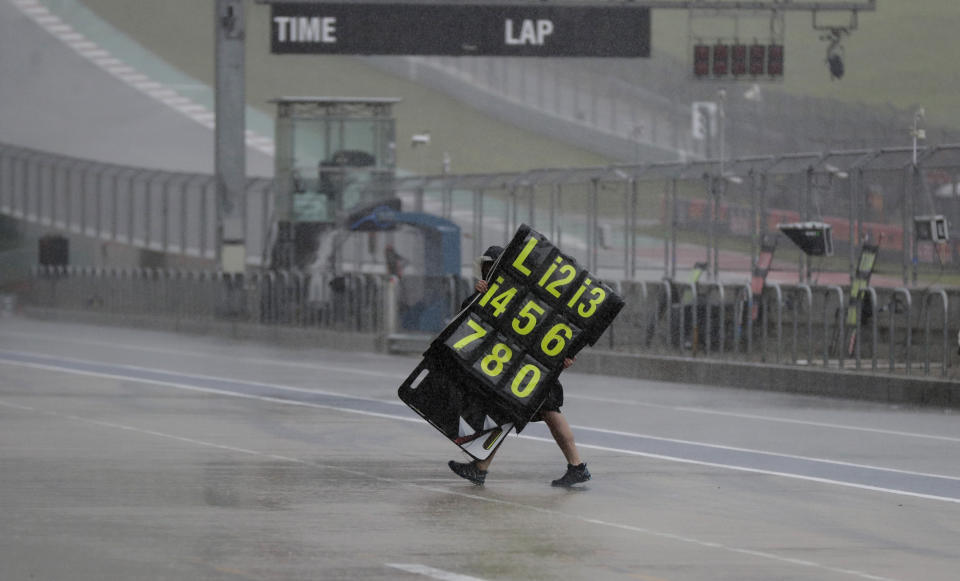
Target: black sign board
{"x": 459, "y": 30}
{"x": 493, "y": 366}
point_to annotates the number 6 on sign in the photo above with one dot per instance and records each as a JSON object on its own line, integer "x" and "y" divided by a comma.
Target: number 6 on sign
{"x": 556, "y": 339}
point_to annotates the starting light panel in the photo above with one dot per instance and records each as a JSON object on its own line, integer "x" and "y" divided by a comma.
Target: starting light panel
{"x": 722, "y": 61}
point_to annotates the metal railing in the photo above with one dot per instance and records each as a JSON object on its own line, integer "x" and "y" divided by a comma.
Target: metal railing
{"x": 169, "y": 212}
{"x": 626, "y": 221}
{"x": 710, "y": 321}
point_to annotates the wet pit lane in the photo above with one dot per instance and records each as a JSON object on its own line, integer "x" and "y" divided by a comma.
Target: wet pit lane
{"x": 131, "y": 454}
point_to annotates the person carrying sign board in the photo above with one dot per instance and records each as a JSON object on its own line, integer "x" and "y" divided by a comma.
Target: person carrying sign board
{"x": 549, "y": 413}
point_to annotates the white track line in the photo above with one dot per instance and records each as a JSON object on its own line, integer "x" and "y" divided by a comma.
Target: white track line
{"x": 431, "y": 572}
{"x": 517, "y": 505}
{"x": 627, "y": 451}
{"x": 617, "y": 401}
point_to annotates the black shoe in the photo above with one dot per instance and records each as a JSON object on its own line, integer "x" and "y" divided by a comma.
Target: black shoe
{"x": 469, "y": 471}
{"x": 574, "y": 475}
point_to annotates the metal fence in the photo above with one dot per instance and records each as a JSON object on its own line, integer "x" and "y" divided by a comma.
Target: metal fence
{"x": 628, "y": 219}
{"x": 626, "y": 222}
{"x": 169, "y": 212}
{"x": 624, "y": 219}
{"x": 897, "y": 330}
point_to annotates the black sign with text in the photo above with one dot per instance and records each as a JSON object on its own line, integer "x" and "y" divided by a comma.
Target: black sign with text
{"x": 492, "y": 367}
{"x": 459, "y": 30}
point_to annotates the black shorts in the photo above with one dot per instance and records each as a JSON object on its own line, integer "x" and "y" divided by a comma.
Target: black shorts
{"x": 552, "y": 403}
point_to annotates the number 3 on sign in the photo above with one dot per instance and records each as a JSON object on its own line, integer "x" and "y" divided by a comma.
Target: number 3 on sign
{"x": 593, "y": 300}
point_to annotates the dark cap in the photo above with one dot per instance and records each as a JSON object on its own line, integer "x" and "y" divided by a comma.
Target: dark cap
{"x": 492, "y": 254}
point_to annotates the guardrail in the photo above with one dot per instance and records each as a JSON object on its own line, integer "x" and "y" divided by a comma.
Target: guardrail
{"x": 622, "y": 219}
{"x": 706, "y": 321}
{"x": 169, "y": 212}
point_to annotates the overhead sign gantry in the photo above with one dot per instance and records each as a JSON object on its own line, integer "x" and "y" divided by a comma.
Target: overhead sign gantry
{"x": 467, "y": 29}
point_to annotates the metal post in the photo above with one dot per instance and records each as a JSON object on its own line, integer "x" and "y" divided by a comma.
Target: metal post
{"x": 854, "y": 229}
{"x": 230, "y": 154}
{"x": 594, "y": 213}
{"x": 673, "y": 229}
{"x": 915, "y": 181}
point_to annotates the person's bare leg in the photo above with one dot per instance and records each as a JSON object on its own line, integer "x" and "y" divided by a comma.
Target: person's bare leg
{"x": 485, "y": 463}
{"x": 563, "y": 435}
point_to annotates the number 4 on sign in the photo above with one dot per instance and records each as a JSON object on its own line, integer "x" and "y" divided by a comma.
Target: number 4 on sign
{"x": 501, "y": 301}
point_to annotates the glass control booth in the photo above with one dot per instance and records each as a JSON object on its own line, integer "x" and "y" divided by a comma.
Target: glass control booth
{"x": 333, "y": 154}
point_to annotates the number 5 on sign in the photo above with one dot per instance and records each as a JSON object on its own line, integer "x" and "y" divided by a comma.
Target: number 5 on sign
{"x": 528, "y": 318}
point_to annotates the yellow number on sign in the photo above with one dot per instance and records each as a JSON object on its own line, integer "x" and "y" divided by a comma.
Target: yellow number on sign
{"x": 491, "y": 290}
{"x": 556, "y": 339}
{"x": 517, "y": 386}
{"x": 499, "y": 302}
{"x": 493, "y": 363}
{"x": 518, "y": 262}
{"x": 528, "y": 312}
{"x": 576, "y": 296}
{"x": 502, "y": 301}
{"x": 598, "y": 297}
{"x": 567, "y": 274}
{"x": 479, "y": 333}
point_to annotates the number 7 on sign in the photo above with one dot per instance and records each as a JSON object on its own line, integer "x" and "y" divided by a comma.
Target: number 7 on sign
{"x": 479, "y": 333}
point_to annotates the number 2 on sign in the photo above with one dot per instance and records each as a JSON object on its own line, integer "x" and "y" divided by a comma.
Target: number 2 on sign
{"x": 565, "y": 276}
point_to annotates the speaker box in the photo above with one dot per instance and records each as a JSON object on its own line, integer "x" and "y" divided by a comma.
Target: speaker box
{"x": 54, "y": 250}
{"x": 814, "y": 238}
{"x": 933, "y": 228}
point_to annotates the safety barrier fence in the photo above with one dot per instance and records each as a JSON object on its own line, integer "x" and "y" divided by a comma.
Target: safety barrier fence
{"x": 621, "y": 220}
{"x": 904, "y": 331}
{"x": 163, "y": 211}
